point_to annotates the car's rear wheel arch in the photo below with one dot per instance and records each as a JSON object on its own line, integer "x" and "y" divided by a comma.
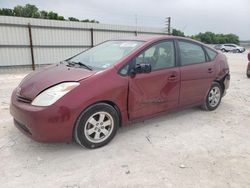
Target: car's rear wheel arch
{"x": 213, "y": 97}
{"x": 221, "y": 82}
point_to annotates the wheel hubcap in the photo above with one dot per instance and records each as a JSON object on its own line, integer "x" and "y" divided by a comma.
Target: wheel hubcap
{"x": 98, "y": 127}
{"x": 214, "y": 96}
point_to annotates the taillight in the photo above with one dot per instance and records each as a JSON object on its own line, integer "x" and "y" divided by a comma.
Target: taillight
{"x": 248, "y": 56}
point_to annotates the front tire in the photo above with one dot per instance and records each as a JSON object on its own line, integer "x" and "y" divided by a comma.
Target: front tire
{"x": 96, "y": 126}
{"x": 213, "y": 98}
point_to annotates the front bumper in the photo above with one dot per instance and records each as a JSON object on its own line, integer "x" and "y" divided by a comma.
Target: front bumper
{"x": 43, "y": 124}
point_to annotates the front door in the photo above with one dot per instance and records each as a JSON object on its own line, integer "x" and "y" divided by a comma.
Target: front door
{"x": 157, "y": 91}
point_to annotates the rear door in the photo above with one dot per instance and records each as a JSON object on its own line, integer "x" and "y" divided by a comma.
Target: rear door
{"x": 229, "y": 47}
{"x": 197, "y": 73}
{"x": 157, "y": 91}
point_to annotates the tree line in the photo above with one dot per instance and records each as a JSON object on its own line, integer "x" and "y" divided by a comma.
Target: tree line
{"x": 210, "y": 37}
{"x": 31, "y": 11}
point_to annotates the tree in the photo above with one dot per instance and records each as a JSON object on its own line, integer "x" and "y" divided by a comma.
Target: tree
{"x": 52, "y": 15}
{"x": 176, "y": 32}
{"x": 7, "y": 12}
{"x": 44, "y": 14}
{"x": 31, "y": 11}
{"x": 94, "y": 21}
{"x": 61, "y": 18}
{"x": 86, "y": 20}
{"x": 232, "y": 38}
{"x": 212, "y": 38}
{"x": 18, "y": 10}
{"x": 73, "y": 19}
{"x": 221, "y": 39}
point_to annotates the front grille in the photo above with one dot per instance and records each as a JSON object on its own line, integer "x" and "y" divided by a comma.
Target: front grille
{"x": 23, "y": 99}
{"x": 23, "y": 127}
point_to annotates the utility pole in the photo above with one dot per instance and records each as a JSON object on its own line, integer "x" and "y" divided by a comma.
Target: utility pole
{"x": 136, "y": 25}
{"x": 168, "y": 24}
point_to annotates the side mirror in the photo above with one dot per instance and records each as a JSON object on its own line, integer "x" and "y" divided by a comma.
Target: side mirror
{"x": 141, "y": 68}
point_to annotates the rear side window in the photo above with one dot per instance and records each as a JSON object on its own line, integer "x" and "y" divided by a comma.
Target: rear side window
{"x": 191, "y": 53}
{"x": 212, "y": 54}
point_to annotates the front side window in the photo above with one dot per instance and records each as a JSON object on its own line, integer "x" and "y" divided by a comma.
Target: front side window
{"x": 191, "y": 53}
{"x": 106, "y": 54}
{"x": 161, "y": 55}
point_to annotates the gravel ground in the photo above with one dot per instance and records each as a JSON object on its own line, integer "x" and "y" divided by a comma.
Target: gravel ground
{"x": 189, "y": 148}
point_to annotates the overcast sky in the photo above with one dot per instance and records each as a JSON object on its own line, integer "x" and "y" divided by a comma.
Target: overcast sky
{"x": 190, "y": 16}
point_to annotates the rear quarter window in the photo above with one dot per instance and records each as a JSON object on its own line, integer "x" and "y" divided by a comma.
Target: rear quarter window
{"x": 212, "y": 54}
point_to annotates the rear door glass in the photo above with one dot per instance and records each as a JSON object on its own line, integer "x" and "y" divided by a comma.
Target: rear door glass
{"x": 191, "y": 53}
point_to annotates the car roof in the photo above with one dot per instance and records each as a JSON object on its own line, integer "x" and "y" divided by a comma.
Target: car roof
{"x": 150, "y": 38}
{"x": 146, "y": 38}
{"x": 155, "y": 38}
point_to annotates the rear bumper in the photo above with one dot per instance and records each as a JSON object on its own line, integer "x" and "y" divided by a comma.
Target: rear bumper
{"x": 43, "y": 124}
{"x": 226, "y": 83}
{"x": 248, "y": 69}
{"x": 242, "y": 50}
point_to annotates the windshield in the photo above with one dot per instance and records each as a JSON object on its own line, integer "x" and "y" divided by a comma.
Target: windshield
{"x": 106, "y": 54}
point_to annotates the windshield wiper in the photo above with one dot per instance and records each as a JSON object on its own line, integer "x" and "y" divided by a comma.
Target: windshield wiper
{"x": 81, "y": 64}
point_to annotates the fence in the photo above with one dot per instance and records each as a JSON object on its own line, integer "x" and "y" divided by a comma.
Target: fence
{"x": 34, "y": 42}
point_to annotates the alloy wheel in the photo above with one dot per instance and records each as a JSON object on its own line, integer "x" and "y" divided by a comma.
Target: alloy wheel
{"x": 214, "y": 96}
{"x": 98, "y": 127}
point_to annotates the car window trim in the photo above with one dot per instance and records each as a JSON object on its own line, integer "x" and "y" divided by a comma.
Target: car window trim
{"x": 195, "y": 43}
{"x": 130, "y": 61}
{"x": 207, "y": 57}
{"x": 210, "y": 59}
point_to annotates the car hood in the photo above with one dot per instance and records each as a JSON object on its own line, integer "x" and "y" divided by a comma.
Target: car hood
{"x": 37, "y": 81}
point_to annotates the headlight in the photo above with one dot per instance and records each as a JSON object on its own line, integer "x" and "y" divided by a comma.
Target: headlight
{"x": 51, "y": 95}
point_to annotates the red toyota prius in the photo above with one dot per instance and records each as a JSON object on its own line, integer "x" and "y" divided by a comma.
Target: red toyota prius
{"x": 88, "y": 96}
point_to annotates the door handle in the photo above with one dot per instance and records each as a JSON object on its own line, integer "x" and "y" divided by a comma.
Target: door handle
{"x": 172, "y": 78}
{"x": 210, "y": 70}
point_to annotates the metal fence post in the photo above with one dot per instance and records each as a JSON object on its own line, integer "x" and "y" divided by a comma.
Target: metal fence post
{"x": 31, "y": 47}
{"x": 92, "y": 37}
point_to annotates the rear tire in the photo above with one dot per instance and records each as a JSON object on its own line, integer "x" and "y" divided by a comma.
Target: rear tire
{"x": 213, "y": 98}
{"x": 96, "y": 126}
